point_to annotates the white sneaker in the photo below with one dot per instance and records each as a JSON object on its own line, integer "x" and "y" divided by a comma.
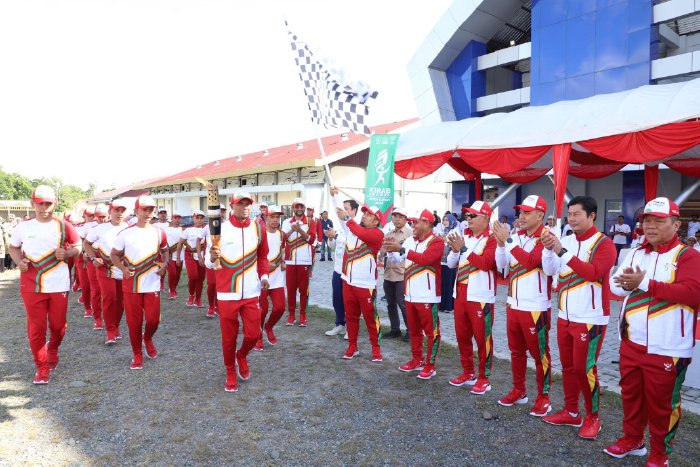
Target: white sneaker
{"x": 346, "y": 336}
{"x": 336, "y": 330}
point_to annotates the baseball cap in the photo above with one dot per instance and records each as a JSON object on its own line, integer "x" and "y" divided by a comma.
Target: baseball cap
{"x": 426, "y": 215}
{"x": 298, "y": 201}
{"x": 401, "y": 211}
{"x": 373, "y": 210}
{"x": 101, "y": 210}
{"x": 89, "y": 210}
{"x": 198, "y": 212}
{"x": 162, "y": 210}
{"x": 145, "y": 201}
{"x": 532, "y": 203}
{"x": 310, "y": 208}
{"x": 274, "y": 209}
{"x": 480, "y": 207}
{"x": 263, "y": 203}
{"x": 660, "y": 207}
{"x": 221, "y": 206}
{"x": 177, "y": 213}
{"x": 240, "y": 196}
{"x": 44, "y": 194}
{"x": 118, "y": 203}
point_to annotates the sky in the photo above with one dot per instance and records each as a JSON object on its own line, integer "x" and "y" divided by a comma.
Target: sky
{"x": 116, "y": 91}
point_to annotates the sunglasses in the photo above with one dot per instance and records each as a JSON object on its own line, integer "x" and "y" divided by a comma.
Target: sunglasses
{"x": 473, "y": 216}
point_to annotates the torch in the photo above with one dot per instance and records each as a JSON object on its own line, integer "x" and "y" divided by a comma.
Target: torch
{"x": 214, "y": 215}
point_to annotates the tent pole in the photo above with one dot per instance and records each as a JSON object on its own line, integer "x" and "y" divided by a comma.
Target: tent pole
{"x": 687, "y": 193}
{"x": 567, "y": 194}
{"x": 499, "y": 199}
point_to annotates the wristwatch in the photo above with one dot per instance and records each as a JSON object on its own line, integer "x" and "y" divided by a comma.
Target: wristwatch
{"x": 561, "y": 252}
{"x": 510, "y": 240}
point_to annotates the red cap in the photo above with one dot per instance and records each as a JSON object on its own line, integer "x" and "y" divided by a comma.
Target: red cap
{"x": 427, "y": 216}
{"x": 118, "y": 203}
{"x": 145, "y": 201}
{"x": 532, "y": 203}
{"x": 373, "y": 210}
{"x": 661, "y": 207}
{"x": 480, "y": 207}
{"x": 240, "y": 196}
{"x": 44, "y": 194}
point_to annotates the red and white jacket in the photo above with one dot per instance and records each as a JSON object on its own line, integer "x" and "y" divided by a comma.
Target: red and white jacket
{"x": 297, "y": 251}
{"x": 529, "y": 287}
{"x": 243, "y": 260}
{"x": 584, "y": 270}
{"x": 360, "y": 258}
{"x": 422, "y": 268}
{"x": 476, "y": 267}
{"x": 275, "y": 244}
{"x": 661, "y": 313}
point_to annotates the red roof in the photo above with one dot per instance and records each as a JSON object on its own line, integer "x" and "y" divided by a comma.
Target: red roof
{"x": 280, "y": 158}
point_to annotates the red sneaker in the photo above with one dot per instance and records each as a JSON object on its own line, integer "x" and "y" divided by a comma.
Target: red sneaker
{"x": 259, "y": 345}
{"x": 656, "y": 459}
{"x": 563, "y": 418}
{"x": 303, "y": 323}
{"x": 515, "y": 396}
{"x": 172, "y": 295}
{"x": 377, "y": 354}
{"x": 190, "y": 301}
{"x": 211, "y": 313}
{"x": 151, "y": 351}
{"x": 290, "y": 321}
{"x": 242, "y": 367}
{"x": 626, "y": 447}
{"x": 351, "y": 352}
{"x": 231, "y": 383}
{"x": 118, "y": 336}
{"x": 464, "y": 379}
{"x": 136, "y": 362}
{"x": 87, "y": 314}
{"x": 42, "y": 376}
{"x": 413, "y": 365}
{"x": 110, "y": 341}
{"x": 427, "y": 372}
{"x": 482, "y": 386}
{"x": 541, "y": 407}
{"x": 98, "y": 325}
{"x": 198, "y": 303}
{"x": 591, "y": 427}
{"x": 52, "y": 359}
{"x": 270, "y": 335}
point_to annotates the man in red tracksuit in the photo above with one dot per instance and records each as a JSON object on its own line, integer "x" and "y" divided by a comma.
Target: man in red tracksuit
{"x": 362, "y": 244}
{"x": 298, "y": 255}
{"x": 660, "y": 283}
{"x": 101, "y": 212}
{"x": 243, "y": 274}
{"x": 81, "y": 263}
{"x": 39, "y": 247}
{"x": 421, "y": 254}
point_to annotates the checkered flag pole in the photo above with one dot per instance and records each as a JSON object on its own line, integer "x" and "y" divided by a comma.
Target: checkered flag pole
{"x": 332, "y": 101}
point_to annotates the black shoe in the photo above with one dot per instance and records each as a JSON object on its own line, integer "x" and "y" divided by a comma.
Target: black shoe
{"x": 322, "y": 259}
{"x": 392, "y": 334}
{"x": 406, "y": 337}
{"x": 329, "y": 259}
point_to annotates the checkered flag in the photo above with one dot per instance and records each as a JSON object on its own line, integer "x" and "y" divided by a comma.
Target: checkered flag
{"x": 332, "y": 100}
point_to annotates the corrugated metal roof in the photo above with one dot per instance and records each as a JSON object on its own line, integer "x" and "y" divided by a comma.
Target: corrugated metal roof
{"x": 517, "y": 29}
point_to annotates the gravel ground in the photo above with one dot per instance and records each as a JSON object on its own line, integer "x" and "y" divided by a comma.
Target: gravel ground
{"x": 302, "y": 406}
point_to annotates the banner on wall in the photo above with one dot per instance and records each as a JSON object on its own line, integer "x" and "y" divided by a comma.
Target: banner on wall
{"x": 379, "y": 188}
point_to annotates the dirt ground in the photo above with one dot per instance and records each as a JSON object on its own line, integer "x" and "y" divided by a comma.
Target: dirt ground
{"x": 303, "y": 405}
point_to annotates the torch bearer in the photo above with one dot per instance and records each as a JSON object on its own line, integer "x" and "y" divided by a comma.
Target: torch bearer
{"x": 214, "y": 215}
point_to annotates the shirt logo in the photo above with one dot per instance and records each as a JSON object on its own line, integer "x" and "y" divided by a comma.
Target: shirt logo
{"x": 667, "y": 366}
{"x": 583, "y": 336}
{"x": 532, "y": 330}
{"x": 479, "y": 313}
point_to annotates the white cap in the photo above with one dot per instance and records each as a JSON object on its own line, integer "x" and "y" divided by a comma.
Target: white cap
{"x": 298, "y": 201}
{"x": 274, "y": 209}
{"x": 101, "y": 210}
{"x": 198, "y": 212}
{"x": 398, "y": 210}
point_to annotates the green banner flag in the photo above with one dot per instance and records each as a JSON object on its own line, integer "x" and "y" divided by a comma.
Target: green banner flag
{"x": 379, "y": 189}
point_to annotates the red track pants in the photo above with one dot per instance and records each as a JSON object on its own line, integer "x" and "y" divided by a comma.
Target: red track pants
{"x": 43, "y": 308}
{"x": 139, "y": 306}
{"x": 211, "y": 287}
{"x": 474, "y": 320}
{"x": 579, "y": 347}
{"x": 112, "y": 302}
{"x": 651, "y": 386}
{"x": 297, "y": 279}
{"x": 95, "y": 294}
{"x": 249, "y": 311}
{"x": 81, "y": 268}
{"x": 174, "y": 273}
{"x": 277, "y": 298}
{"x": 196, "y": 274}
{"x": 361, "y": 300}
{"x": 528, "y": 331}
{"x": 423, "y": 319}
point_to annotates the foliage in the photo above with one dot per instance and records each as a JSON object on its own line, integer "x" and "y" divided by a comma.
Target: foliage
{"x": 18, "y": 187}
